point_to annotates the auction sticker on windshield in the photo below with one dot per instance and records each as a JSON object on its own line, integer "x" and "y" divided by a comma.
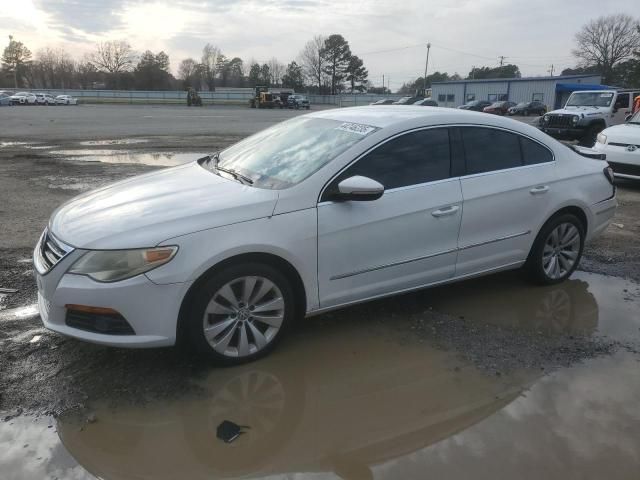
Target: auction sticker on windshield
{"x": 357, "y": 128}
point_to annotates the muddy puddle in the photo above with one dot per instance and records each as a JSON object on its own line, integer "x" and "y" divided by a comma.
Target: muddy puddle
{"x": 360, "y": 395}
{"x": 118, "y": 141}
{"x": 164, "y": 159}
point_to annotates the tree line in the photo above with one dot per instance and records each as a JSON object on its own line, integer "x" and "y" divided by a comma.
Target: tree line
{"x": 325, "y": 65}
{"x": 608, "y": 46}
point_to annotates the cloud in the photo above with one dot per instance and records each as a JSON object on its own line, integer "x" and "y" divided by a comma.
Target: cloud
{"x": 90, "y": 16}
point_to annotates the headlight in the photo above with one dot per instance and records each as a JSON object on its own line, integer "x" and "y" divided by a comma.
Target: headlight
{"x": 545, "y": 119}
{"x": 115, "y": 265}
{"x": 601, "y": 138}
{"x": 575, "y": 119}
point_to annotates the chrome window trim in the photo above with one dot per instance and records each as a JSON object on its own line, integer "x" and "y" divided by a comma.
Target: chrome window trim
{"x": 429, "y": 127}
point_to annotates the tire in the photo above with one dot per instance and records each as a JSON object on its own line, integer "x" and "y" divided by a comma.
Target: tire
{"x": 221, "y": 305}
{"x": 557, "y": 250}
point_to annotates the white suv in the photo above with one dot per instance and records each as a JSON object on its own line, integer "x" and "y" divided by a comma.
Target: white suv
{"x": 319, "y": 212}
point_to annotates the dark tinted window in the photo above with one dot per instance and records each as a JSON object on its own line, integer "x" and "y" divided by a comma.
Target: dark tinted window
{"x": 413, "y": 158}
{"x": 488, "y": 149}
{"x": 533, "y": 152}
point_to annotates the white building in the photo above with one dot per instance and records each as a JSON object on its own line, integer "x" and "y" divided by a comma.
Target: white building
{"x": 552, "y": 91}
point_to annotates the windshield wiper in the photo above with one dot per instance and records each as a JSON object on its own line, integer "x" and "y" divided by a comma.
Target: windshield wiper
{"x": 238, "y": 176}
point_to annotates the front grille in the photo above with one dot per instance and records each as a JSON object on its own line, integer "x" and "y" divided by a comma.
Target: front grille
{"x": 559, "y": 121}
{"x": 625, "y": 169}
{"x": 51, "y": 251}
{"x": 95, "y": 323}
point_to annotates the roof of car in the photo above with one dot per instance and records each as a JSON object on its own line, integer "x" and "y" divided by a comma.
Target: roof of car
{"x": 409, "y": 116}
{"x": 384, "y": 116}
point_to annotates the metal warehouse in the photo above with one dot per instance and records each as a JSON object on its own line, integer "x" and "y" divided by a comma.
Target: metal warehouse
{"x": 552, "y": 91}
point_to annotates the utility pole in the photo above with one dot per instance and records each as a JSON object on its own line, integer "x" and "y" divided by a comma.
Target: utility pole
{"x": 551, "y": 70}
{"x": 426, "y": 65}
{"x": 502, "y": 57}
{"x": 383, "y": 83}
{"x": 473, "y": 72}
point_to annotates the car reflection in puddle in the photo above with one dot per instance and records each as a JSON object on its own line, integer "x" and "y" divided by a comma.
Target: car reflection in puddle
{"x": 339, "y": 401}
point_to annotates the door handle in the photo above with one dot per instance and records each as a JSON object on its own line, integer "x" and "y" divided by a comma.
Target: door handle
{"x": 443, "y": 212}
{"x": 538, "y": 190}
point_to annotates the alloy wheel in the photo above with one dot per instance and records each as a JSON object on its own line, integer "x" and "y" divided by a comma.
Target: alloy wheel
{"x": 244, "y": 316}
{"x": 561, "y": 250}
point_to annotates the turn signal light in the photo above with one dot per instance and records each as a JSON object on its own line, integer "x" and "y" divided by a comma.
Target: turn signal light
{"x": 88, "y": 309}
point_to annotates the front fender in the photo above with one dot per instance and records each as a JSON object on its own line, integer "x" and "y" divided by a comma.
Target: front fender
{"x": 291, "y": 236}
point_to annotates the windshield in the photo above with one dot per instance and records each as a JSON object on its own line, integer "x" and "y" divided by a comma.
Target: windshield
{"x": 289, "y": 152}
{"x": 635, "y": 119}
{"x": 590, "y": 99}
{"x": 522, "y": 104}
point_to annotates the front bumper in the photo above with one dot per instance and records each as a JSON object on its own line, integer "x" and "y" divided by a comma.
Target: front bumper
{"x": 150, "y": 309}
{"x": 624, "y": 163}
{"x": 565, "y": 133}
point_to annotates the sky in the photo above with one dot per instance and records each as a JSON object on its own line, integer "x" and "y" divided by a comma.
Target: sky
{"x": 389, "y": 35}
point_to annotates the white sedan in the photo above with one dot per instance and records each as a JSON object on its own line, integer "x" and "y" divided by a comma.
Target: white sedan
{"x": 23, "y": 98}
{"x": 621, "y": 144}
{"x": 66, "y": 100}
{"x": 316, "y": 213}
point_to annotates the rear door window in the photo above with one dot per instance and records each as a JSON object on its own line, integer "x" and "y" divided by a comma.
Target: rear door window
{"x": 533, "y": 152}
{"x": 489, "y": 149}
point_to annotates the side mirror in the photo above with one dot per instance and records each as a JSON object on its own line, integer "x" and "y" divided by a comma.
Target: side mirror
{"x": 628, "y": 117}
{"x": 359, "y": 188}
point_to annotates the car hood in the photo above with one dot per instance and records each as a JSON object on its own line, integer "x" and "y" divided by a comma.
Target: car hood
{"x": 146, "y": 210}
{"x": 625, "y": 133}
{"x": 582, "y": 111}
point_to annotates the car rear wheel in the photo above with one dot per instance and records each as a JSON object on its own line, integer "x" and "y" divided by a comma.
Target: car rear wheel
{"x": 240, "y": 313}
{"x": 557, "y": 250}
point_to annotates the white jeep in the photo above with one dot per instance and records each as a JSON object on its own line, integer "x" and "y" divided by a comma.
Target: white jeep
{"x": 585, "y": 115}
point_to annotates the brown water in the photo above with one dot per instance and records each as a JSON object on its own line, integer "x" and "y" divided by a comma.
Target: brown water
{"x": 343, "y": 401}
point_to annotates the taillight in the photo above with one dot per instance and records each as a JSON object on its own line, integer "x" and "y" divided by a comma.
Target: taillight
{"x": 608, "y": 172}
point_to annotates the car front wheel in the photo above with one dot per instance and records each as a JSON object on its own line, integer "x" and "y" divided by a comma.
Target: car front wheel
{"x": 557, "y": 250}
{"x": 240, "y": 313}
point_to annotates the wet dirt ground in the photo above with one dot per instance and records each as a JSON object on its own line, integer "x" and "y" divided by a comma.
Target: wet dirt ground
{"x": 489, "y": 378}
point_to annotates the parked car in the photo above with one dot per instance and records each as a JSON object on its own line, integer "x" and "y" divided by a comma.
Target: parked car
{"x": 584, "y": 116}
{"x": 45, "y": 99}
{"x": 426, "y": 102}
{"x": 311, "y": 215}
{"x": 621, "y": 144}
{"x": 407, "y": 100}
{"x": 498, "y": 108}
{"x": 68, "y": 100}
{"x": 527, "y": 108}
{"x": 23, "y": 98}
{"x": 384, "y": 101}
{"x": 298, "y": 101}
{"x": 5, "y": 100}
{"x": 475, "y": 105}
